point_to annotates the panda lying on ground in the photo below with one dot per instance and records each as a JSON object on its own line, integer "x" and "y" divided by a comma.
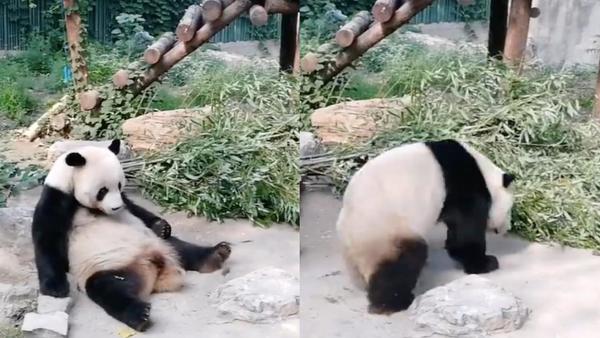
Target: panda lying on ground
{"x": 396, "y": 198}
{"x": 118, "y": 252}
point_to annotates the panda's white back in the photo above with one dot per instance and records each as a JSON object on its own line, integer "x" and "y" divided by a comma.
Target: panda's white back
{"x": 398, "y": 194}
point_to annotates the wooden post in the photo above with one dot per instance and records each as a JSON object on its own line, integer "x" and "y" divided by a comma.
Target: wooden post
{"x": 281, "y": 6}
{"x": 73, "y": 27}
{"x": 497, "y": 32}
{"x": 288, "y": 47}
{"x": 516, "y": 36}
{"x": 597, "y": 107}
{"x": 377, "y": 32}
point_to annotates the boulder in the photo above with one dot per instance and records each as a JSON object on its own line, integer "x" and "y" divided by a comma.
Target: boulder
{"x": 61, "y": 147}
{"x": 355, "y": 121}
{"x": 15, "y": 301}
{"x": 160, "y": 130}
{"x": 468, "y": 307}
{"x": 263, "y": 296}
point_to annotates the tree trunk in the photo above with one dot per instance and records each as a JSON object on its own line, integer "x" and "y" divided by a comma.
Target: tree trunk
{"x": 383, "y": 10}
{"x": 281, "y": 6}
{"x": 89, "y": 99}
{"x": 346, "y": 35}
{"x": 213, "y": 9}
{"x": 258, "y": 15}
{"x": 497, "y": 31}
{"x": 73, "y": 27}
{"x": 518, "y": 28}
{"x": 159, "y": 48}
{"x": 373, "y": 35}
{"x": 189, "y": 23}
{"x": 121, "y": 79}
{"x": 288, "y": 48}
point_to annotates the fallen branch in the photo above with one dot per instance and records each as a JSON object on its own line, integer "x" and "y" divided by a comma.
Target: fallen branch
{"x": 36, "y": 129}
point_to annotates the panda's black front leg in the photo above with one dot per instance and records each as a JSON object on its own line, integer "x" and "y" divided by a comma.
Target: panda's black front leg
{"x": 52, "y": 266}
{"x": 158, "y": 225}
{"x": 466, "y": 244}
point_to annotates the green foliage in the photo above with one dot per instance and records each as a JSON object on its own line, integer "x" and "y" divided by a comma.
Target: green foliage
{"x": 531, "y": 125}
{"x": 13, "y": 179}
{"x": 130, "y": 37}
{"x": 160, "y": 15}
{"x": 15, "y": 102}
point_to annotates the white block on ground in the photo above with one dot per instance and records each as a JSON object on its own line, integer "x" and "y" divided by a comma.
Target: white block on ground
{"x": 48, "y": 304}
{"x": 56, "y": 322}
{"x": 471, "y": 306}
{"x": 262, "y": 296}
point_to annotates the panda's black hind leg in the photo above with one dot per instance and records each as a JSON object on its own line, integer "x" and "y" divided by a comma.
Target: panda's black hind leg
{"x": 390, "y": 288}
{"x": 117, "y": 292}
{"x": 200, "y": 258}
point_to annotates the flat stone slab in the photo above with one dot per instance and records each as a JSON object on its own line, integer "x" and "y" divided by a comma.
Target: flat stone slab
{"x": 468, "y": 307}
{"x": 55, "y": 322}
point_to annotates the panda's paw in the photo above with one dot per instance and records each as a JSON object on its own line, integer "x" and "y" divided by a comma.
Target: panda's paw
{"x": 217, "y": 257}
{"x": 137, "y": 316}
{"x": 491, "y": 263}
{"x": 55, "y": 287}
{"x": 162, "y": 229}
{"x": 488, "y": 264}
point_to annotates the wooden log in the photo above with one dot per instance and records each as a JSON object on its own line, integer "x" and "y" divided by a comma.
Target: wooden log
{"x": 213, "y": 9}
{"x": 181, "y": 50}
{"x": 73, "y": 28}
{"x": 383, "y": 10}
{"x": 497, "y": 30}
{"x": 309, "y": 63}
{"x": 258, "y": 15}
{"x": 516, "y": 36}
{"x": 189, "y": 23}
{"x": 377, "y": 32}
{"x": 159, "y": 48}
{"x": 597, "y": 106}
{"x": 346, "y": 35}
{"x": 89, "y": 99}
{"x": 281, "y": 6}
{"x": 121, "y": 79}
{"x": 288, "y": 47}
{"x": 36, "y": 129}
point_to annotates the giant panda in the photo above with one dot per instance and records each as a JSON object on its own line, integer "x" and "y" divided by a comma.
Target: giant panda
{"x": 118, "y": 252}
{"x": 396, "y": 198}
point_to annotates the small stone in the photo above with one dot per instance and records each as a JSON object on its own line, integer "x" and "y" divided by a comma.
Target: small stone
{"x": 55, "y": 322}
{"x": 468, "y": 307}
{"x": 47, "y": 304}
{"x": 309, "y": 145}
{"x": 263, "y": 296}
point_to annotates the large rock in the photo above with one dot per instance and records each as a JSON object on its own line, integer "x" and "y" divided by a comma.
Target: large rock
{"x": 61, "y": 147}
{"x": 15, "y": 302}
{"x": 469, "y": 307}
{"x": 160, "y": 130}
{"x": 262, "y": 296}
{"x": 355, "y": 121}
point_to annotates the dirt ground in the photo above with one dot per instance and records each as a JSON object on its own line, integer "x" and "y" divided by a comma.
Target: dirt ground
{"x": 187, "y": 314}
{"x": 560, "y": 285}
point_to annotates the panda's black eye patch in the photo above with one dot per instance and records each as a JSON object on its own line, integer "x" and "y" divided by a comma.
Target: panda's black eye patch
{"x": 119, "y": 185}
{"x": 101, "y": 193}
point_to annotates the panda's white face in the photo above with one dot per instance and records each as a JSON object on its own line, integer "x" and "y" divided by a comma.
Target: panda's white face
{"x": 93, "y": 175}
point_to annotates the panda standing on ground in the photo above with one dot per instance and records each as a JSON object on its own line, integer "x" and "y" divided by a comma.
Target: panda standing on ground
{"x": 118, "y": 252}
{"x": 396, "y": 198}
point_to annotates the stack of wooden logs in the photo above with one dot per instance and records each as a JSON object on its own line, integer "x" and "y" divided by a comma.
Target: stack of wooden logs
{"x": 198, "y": 24}
{"x": 360, "y": 34}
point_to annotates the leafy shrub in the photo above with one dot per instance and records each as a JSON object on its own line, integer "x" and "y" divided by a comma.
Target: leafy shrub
{"x": 15, "y": 102}
{"x": 130, "y": 36}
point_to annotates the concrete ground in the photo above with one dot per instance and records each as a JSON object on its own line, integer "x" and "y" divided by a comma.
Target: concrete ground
{"x": 560, "y": 285}
{"x": 187, "y": 314}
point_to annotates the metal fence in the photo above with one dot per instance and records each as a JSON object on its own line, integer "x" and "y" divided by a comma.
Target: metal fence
{"x": 13, "y": 33}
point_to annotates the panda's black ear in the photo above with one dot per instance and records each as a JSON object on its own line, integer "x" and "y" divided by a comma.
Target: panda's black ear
{"x": 75, "y": 160}
{"x": 507, "y": 179}
{"x": 115, "y": 146}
